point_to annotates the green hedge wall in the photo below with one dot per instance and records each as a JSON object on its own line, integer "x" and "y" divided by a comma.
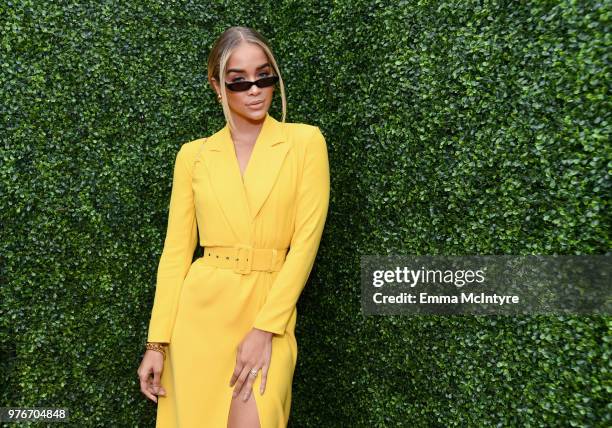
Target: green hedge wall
{"x": 454, "y": 127}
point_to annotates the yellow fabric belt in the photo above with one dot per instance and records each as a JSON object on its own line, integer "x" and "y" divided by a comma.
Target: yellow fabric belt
{"x": 244, "y": 258}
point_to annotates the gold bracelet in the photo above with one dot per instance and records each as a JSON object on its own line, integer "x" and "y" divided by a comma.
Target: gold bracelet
{"x": 156, "y": 347}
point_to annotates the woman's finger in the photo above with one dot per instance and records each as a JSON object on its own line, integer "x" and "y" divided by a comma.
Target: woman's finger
{"x": 159, "y": 387}
{"x": 144, "y": 385}
{"x": 264, "y": 378}
{"x": 237, "y": 371}
{"x": 156, "y": 386}
{"x": 248, "y": 387}
{"x": 265, "y": 367}
{"x": 240, "y": 381}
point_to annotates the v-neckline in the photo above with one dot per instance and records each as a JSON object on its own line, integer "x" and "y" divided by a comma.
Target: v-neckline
{"x": 242, "y": 174}
{"x": 253, "y": 157}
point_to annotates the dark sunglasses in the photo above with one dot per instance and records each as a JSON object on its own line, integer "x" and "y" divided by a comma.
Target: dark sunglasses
{"x": 245, "y": 85}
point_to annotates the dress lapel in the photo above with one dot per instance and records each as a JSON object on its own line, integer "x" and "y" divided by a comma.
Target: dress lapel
{"x": 241, "y": 200}
{"x": 265, "y": 163}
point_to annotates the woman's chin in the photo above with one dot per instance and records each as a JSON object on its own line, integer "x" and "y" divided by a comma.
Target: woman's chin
{"x": 255, "y": 115}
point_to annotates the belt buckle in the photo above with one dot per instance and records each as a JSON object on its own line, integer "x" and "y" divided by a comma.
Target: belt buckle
{"x": 273, "y": 260}
{"x": 243, "y": 261}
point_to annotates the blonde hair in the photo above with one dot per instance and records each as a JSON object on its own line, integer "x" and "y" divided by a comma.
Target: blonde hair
{"x": 220, "y": 53}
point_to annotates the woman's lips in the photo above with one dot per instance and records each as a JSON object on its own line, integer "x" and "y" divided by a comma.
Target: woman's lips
{"x": 256, "y": 105}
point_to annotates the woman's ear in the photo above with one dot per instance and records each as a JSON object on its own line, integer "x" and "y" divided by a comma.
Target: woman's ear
{"x": 215, "y": 85}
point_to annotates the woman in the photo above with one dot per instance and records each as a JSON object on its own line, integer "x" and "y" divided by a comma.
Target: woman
{"x": 221, "y": 348}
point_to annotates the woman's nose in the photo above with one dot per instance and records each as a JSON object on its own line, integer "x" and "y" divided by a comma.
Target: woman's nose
{"x": 254, "y": 89}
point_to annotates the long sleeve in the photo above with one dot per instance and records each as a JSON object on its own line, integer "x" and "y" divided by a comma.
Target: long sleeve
{"x": 177, "y": 254}
{"x": 311, "y": 212}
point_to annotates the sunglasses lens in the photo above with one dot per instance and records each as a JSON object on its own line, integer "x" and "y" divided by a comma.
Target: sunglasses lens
{"x": 245, "y": 86}
{"x": 239, "y": 86}
{"x": 267, "y": 81}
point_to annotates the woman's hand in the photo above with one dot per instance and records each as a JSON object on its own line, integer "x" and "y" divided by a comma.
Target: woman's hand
{"x": 254, "y": 352}
{"x": 152, "y": 364}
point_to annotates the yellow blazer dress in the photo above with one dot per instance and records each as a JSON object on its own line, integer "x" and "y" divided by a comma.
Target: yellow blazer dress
{"x": 203, "y": 310}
